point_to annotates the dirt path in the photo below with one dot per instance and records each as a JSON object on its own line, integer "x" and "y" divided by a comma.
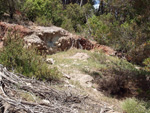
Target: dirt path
{"x": 72, "y": 65}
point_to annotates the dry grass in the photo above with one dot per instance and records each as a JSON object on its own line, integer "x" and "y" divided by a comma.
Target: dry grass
{"x": 29, "y": 97}
{"x": 90, "y": 66}
{"x": 68, "y": 65}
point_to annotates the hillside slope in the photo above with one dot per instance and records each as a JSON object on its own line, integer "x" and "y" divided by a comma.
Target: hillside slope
{"x": 76, "y": 92}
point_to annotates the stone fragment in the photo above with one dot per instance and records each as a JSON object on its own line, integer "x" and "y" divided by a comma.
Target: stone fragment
{"x": 50, "y": 61}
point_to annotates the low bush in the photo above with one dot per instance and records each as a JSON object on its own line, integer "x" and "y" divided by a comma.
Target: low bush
{"x": 119, "y": 78}
{"x": 114, "y": 85}
{"x": 132, "y": 105}
{"x": 26, "y": 61}
{"x": 147, "y": 64}
{"x": 116, "y": 76}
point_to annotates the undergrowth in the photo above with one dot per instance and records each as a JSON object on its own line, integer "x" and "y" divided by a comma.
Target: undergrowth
{"x": 119, "y": 78}
{"x": 114, "y": 78}
{"x": 26, "y": 61}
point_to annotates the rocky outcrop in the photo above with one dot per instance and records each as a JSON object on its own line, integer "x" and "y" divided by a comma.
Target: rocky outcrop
{"x": 49, "y": 39}
{"x": 6, "y": 28}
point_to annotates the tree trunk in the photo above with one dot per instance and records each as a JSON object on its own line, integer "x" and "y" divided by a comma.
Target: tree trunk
{"x": 81, "y": 3}
{"x": 11, "y": 6}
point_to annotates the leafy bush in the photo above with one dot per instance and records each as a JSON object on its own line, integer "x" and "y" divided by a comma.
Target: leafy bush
{"x": 100, "y": 30}
{"x": 71, "y": 17}
{"x": 132, "y": 105}
{"x": 51, "y": 10}
{"x": 76, "y": 16}
{"x": 67, "y": 24}
{"x": 26, "y": 61}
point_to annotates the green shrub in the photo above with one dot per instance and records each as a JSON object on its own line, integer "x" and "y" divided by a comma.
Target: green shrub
{"x": 132, "y": 105}
{"x": 43, "y": 21}
{"x": 76, "y": 16}
{"x": 100, "y": 28}
{"x": 147, "y": 64}
{"x": 67, "y": 24}
{"x": 116, "y": 77}
{"x": 51, "y": 10}
{"x": 26, "y": 61}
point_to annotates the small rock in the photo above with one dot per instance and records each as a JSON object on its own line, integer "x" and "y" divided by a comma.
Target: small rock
{"x": 45, "y": 101}
{"x": 50, "y": 61}
{"x": 66, "y": 81}
{"x": 69, "y": 85}
{"x": 138, "y": 68}
{"x": 28, "y": 84}
{"x": 95, "y": 90}
{"x": 66, "y": 76}
{"x": 108, "y": 61}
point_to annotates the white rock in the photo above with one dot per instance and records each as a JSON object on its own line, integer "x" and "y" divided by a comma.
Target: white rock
{"x": 45, "y": 101}
{"x": 28, "y": 84}
{"x": 50, "y": 61}
{"x": 66, "y": 76}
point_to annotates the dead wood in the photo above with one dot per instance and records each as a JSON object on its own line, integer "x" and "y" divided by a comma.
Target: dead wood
{"x": 51, "y": 100}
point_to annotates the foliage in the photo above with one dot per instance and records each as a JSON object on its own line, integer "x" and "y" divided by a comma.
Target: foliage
{"x": 47, "y": 8}
{"x": 67, "y": 24}
{"x": 2, "y": 8}
{"x": 10, "y": 6}
{"x": 76, "y": 16}
{"x": 26, "y": 61}
{"x": 132, "y": 105}
{"x": 72, "y": 17}
{"x": 147, "y": 64}
{"x": 126, "y": 29}
{"x": 43, "y": 21}
{"x": 100, "y": 29}
{"x": 106, "y": 30}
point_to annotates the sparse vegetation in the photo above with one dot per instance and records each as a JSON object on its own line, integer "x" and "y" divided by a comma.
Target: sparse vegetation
{"x": 115, "y": 77}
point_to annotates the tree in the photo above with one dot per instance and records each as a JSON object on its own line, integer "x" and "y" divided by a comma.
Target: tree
{"x": 2, "y": 7}
{"x": 51, "y": 10}
{"x": 10, "y": 6}
{"x": 101, "y": 7}
{"x": 80, "y": 2}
